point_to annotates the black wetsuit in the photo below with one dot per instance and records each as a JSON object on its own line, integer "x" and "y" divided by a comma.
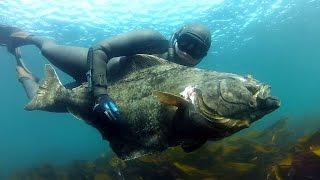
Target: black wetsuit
{"x": 109, "y": 56}
{"x": 73, "y": 60}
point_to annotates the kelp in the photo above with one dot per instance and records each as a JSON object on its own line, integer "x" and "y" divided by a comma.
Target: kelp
{"x": 274, "y": 153}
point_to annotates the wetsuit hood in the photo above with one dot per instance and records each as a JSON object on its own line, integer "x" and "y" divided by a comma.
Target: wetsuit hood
{"x": 194, "y": 39}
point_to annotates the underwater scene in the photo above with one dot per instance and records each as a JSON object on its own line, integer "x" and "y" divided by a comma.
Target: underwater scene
{"x": 159, "y": 89}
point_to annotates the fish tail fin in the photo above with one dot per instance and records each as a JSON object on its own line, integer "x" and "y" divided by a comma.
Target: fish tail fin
{"x": 48, "y": 97}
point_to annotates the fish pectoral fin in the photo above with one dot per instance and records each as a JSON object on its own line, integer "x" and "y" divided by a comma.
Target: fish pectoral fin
{"x": 170, "y": 99}
{"x": 189, "y": 146}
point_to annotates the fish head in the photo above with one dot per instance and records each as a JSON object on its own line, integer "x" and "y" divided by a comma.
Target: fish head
{"x": 243, "y": 98}
{"x": 231, "y": 103}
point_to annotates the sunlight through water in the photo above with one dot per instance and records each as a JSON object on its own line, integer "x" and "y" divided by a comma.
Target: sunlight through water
{"x": 97, "y": 19}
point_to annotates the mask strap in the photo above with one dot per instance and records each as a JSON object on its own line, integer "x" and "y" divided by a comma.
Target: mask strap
{"x": 173, "y": 40}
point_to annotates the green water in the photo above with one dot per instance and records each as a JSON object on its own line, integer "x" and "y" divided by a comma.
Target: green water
{"x": 275, "y": 41}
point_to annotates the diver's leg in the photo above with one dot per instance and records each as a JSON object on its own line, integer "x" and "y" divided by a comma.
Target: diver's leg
{"x": 25, "y": 77}
{"x": 73, "y": 60}
{"x": 29, "y": 82}
{"x": 70, "y": 59}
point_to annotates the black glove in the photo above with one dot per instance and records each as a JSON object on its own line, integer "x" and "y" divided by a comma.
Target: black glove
{"x": 106, "y": 108}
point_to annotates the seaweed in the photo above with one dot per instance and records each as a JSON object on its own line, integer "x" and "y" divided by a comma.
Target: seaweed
{"x": 274, "y": 153}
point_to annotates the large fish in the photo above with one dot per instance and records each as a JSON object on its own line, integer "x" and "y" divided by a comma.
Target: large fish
{"x": 163, "y": 105}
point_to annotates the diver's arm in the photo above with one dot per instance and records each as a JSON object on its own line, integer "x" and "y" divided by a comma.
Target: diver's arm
{"x": 126, "y": 44}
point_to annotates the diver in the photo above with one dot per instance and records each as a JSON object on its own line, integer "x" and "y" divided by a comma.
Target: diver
{"x": 187, "y": 47}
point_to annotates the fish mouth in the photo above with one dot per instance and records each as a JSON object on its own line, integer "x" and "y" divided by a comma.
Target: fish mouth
{"x": 268, "y": 104}
{"x": 264, "y": 100}
{"x": 258, "y": 97}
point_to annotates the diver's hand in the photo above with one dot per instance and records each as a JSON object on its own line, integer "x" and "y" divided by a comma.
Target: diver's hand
{"x": 106, "y": 108}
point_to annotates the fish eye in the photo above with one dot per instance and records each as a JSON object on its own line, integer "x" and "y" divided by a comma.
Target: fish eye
{"x": 252, "y": 103}
{"x": 252, "y": 87}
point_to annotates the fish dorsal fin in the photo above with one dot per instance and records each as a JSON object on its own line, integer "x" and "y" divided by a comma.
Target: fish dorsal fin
{"x": 170, "y": 99}
{"x": 141, "y": 61}
{"x": 136, "y": 63}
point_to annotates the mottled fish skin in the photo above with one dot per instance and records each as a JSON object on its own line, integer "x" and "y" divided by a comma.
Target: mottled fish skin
{"x": 155, "y": 126}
